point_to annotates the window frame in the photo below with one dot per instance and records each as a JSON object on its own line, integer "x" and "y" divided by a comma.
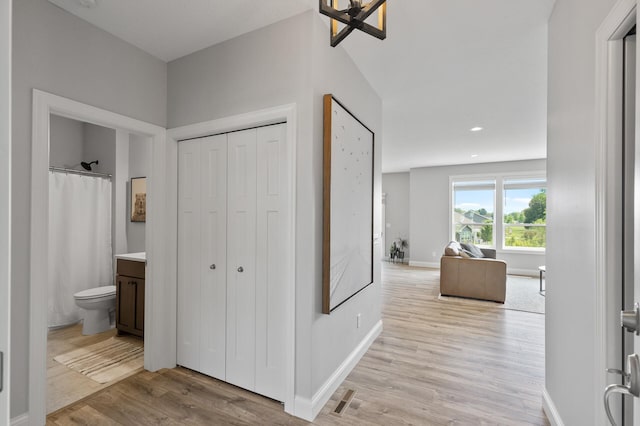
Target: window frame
{"x": 498, "y": 225}
{"x": 505, "y": 187}
{"x": 487, "y": 186}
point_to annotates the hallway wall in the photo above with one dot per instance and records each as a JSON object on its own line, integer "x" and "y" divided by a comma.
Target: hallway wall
{"x": 571, "y": 159}
{"x": 291, "y": 62}
{"x": 59, "y": 53}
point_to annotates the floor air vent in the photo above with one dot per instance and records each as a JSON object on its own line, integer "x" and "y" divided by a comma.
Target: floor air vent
{"x": 344, "y": 403}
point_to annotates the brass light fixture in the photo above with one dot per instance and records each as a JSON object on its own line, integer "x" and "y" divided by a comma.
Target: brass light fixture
{"x": 354, "y": 17}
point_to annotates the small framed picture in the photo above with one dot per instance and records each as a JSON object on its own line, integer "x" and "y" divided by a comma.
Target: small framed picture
{"x": 139, "y": 199}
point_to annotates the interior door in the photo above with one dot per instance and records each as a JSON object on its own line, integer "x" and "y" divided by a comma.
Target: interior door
{"x": 628, "y": 222}
{"x": 5, "y": 204}
{"x": 623, "y": 202}
{"x": 241, "y": 260}
{"x": 632, "y": 292}
{"x": 272, "y": 218}
{"x": 213, "y": 261}
{"x": 202, "y": 245}
{"x": 189, "y": 241}
{"x": 233, "y": 220}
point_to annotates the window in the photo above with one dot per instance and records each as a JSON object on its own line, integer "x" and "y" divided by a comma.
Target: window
{"x": 525, "y": 213}
{"x": 504, "y": 211}
{"x": 473, "y": 212}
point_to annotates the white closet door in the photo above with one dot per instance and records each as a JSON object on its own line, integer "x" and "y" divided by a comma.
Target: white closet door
{"x": 272, "y": 220}
{"x": 202, "y": 254}
{"x": 233, "y": 198}
{"x": 241, "y": 252}
{"x": 213, "y": 256}
{"x": 189, "y": 212}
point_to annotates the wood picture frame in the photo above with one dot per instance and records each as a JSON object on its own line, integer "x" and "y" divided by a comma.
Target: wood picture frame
{"x": 139, "y": 199}
{"x": 348, "y": 167}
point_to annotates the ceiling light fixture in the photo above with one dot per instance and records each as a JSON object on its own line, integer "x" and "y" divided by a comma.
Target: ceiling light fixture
{"x": 474, "y": 155}
{"x": 353, "y": 17}
{"x": 476, "y": 129}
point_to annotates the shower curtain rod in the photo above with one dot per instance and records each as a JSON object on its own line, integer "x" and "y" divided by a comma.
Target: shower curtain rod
{"x": 79, "y": 172}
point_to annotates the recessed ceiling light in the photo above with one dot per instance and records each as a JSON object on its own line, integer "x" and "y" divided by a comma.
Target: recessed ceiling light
{"x": 476, "y": 129}
{"x": 474, "y": 155}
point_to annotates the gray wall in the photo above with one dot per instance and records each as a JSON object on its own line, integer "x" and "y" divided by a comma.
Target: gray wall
{"x": 139, "y": 166}
{"x": 251, "y": 72}
{"x": 396, "y": 188}
{"x": 570, "y": 212}
{"x": 66, "y": 142}
{"x": 61, "y": 54}
{"x": 5, "y": 198}
{"x": 429, "y": 217}
{"x": 335, "y": 336}
{"x": 100, "y": 144}
{"x": 291, "y": 62}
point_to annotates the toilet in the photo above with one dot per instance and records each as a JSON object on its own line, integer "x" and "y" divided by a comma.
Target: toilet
{"x": 97, "y": 304}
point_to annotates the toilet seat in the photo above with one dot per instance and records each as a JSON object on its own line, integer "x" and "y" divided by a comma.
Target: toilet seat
{"x": 95, "y": 293}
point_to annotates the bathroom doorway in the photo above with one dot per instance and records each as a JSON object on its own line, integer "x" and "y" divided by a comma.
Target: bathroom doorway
{"x": 160, "y": 265}
{"x": 91, "y": 231}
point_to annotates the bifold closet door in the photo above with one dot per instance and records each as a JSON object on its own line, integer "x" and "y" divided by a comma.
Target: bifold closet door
{"x": 233, "y": 222}
{"x": 202, "y": 255}
{"x": 257, "y": 179}
{"x": 272, "y": 221}
{"x": 241, "y": 251}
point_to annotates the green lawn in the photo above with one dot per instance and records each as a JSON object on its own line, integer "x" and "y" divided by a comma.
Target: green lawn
{"x": 525, "y": 236}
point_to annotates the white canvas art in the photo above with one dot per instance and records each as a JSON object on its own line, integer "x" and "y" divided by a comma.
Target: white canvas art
{"x": 351, "y": 206}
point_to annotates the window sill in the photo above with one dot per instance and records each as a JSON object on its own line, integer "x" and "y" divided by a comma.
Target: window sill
{"x": 539, "y": 252}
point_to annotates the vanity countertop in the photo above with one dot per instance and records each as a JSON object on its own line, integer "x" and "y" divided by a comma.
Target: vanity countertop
{"x": 136, "y": 257}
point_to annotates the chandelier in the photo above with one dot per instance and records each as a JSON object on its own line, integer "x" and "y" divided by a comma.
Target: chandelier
{"x": 353, "y": 18}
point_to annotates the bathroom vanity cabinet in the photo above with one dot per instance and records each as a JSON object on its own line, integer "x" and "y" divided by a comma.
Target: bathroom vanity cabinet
{"x": 130, "y": 296}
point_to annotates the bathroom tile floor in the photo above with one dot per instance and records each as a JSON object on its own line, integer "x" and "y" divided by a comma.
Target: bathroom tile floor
{"x": 65, "y": 386}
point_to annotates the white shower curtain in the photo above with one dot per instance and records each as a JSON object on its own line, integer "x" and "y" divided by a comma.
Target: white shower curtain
{"x": 80, "y": 254}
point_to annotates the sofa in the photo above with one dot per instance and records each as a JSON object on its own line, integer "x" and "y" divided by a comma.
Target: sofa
{"x": 475, "y": 273}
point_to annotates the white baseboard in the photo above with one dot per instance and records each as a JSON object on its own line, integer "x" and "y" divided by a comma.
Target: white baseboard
{"x": 21, "y": 420}
{"x": 308, "y": 409}
{"x": 550, "y": 409}
{"x": 420, "y": 264}
{"x": 526, "y": 272}
{"x": 405, "y": 261}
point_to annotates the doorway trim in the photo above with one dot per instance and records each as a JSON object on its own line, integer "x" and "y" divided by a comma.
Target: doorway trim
{"x": 609, "y": 39}
{"x": 159, "y": 309}
{"x": 5, "y": 211}
{"x": 263, "y": 117}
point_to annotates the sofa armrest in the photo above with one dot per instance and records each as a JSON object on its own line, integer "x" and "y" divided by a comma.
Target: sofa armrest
{"x": 489, "y": 253}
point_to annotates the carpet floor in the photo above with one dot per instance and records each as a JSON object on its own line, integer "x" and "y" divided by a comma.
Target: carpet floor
{"x": 523, "y": 293}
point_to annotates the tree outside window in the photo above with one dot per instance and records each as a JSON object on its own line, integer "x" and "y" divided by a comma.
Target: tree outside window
{"x": 525, "y": 213}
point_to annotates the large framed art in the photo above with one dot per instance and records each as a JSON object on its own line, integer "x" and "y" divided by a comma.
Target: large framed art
{"x": 347, "y": 249}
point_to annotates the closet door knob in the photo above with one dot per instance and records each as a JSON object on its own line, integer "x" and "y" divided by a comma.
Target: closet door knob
{"x": 240, "y": 269}
{"x": 213, "y": 266}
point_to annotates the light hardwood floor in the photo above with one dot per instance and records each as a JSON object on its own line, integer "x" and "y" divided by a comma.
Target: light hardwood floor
{"x": 64, "y": 385}
{"x": 436, "y": 363}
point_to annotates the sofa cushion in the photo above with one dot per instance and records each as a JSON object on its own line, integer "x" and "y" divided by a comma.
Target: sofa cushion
{"x": 474, "y": 251}
{"x": 452, "y": 249}
{"x": 464, "y": 253}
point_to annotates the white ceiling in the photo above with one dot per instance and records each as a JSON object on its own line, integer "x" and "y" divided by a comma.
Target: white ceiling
{"x": 170, "y": 29}
{"x": 445, "y": 67}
